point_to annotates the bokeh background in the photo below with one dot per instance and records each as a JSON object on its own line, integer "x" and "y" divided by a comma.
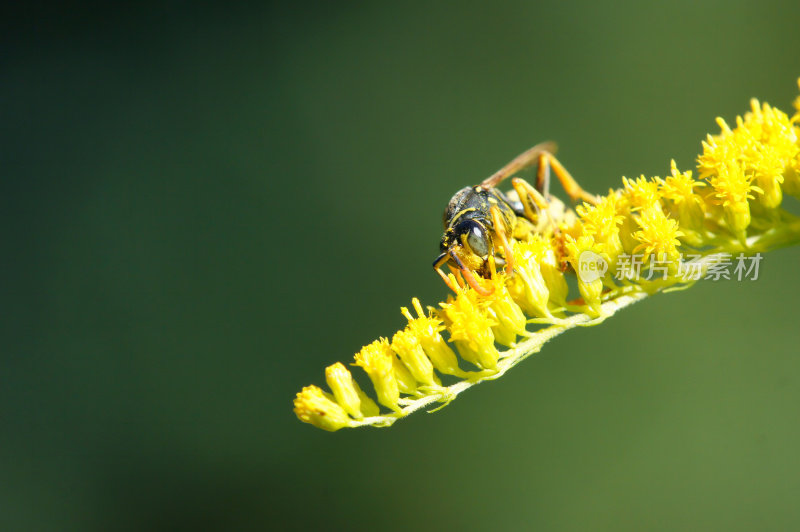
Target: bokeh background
{"x": 205, "y": 206}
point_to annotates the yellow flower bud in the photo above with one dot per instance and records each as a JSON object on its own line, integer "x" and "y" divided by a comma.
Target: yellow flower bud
{"x": 626, "y": 231}
{"x": 313, "y": 406}
{"x": 428, "y": 329}
{"x": 537, "y": 279}
{"x": 341, "y": 383}
{"x": 509, "y": 318}
{"x": 737, "y": 214}
{"x": 377, "y": 359}
{"x": 471, "y": 330}
{"x": 347, "y": 392}
{"x": 529, "y": 290}
{"x": 685, "y": 204}
{"x": 591, "y": 293}
{"x": 555, "y": 281}
{"x": 368, "y": 407}
{"x": 771, "y": 196}
{"x": 602, "y": 221}
{"x": 408, "y": 348}
{"x": 406, "y": 382}
{"x": 791, "y": 183}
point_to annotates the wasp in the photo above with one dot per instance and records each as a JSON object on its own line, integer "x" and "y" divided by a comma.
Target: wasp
{"x": 479, "y": 221}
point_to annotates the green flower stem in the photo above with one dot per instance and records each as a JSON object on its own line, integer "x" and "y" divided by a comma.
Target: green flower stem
{"x": 510, "y": 358}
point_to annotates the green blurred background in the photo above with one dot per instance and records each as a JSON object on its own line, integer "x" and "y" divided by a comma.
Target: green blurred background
{"x": 204, "y": 207}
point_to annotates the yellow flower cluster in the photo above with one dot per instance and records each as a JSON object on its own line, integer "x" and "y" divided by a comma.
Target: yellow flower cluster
{"x": 734, "y": 206}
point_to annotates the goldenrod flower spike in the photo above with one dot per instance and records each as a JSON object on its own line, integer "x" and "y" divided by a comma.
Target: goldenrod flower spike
{"x": 652, "y": 235}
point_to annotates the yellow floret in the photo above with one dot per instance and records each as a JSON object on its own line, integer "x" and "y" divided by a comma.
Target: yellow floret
{"x": 377, "y": 359}
{"x": 470, "y": 328}
{"x": 313, "y": 406}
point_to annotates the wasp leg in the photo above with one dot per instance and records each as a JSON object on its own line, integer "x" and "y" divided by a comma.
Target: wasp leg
{"x": 500, "y": 231}
{"x": 532, "y": 201}
{"x": 543, "y": 155}
{"x": 521, "y": 161}
{"x": 571, "y": 187}
{"x": 466, "y": 273}
{"x": 470, "y": 277}
{"x": 543, "y": 177}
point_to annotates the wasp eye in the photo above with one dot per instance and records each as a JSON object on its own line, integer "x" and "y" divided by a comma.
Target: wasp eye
{"x": 474, "y": 236}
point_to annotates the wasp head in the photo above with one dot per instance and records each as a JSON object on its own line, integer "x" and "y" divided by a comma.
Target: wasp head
{"x": 466, "y": 247}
